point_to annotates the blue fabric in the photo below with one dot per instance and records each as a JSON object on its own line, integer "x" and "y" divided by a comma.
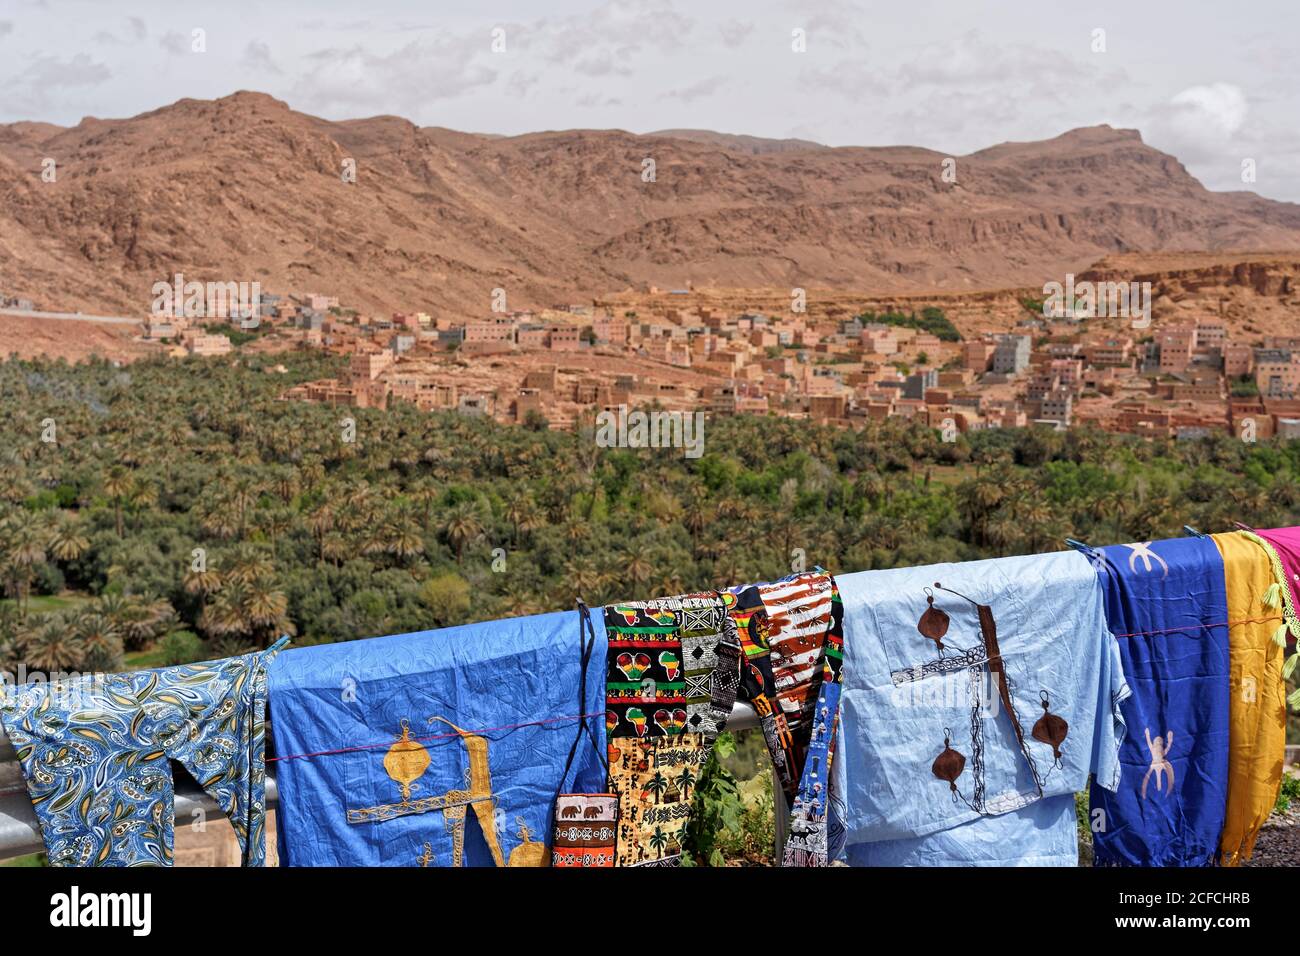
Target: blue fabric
{"x": 95, "y": 751}
{"x": 903, "y": 698}
{"x": 1045, "y": 833}
{"x": 362, "y": 694}
{"x": 1180, "y": 686}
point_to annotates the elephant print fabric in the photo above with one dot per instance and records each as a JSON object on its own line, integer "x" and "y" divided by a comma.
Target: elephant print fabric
{"x": 584, "y": 830}
{"x": 95, "y": 751}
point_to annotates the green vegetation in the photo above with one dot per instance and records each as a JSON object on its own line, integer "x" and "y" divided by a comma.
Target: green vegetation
{"x": 1289, "y": 791}
{"x": 1244, "y": 387}
{"x": 931, "y": 319}
{"x": 1033, "y": 306}
{"x": 185, "y": 512}
{"x": 732, "y": 821}
{"x": 236, "y": 335}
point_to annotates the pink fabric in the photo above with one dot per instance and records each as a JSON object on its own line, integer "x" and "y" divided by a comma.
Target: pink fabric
{"x": 1286, "y": 542}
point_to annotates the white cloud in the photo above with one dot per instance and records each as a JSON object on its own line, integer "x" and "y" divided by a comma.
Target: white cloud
{"x": 174, "y": 43}
{"x": 1219, "y": 109}
{"x": 404, "y": 81}
{"x": 705, "y": 87}
{"x": 735, "y": 32}
{"x": 38, "y": 88}
{"x": 257, "y": 58}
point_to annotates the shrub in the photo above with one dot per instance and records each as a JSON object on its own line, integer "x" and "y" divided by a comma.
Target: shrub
{"x": 181, "y": 647}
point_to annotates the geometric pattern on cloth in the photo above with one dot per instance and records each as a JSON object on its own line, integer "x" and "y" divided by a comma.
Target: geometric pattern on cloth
{"x": 662, "y": 713}
{"x": 655, "y": 781}
{"x": 584, "y": 830}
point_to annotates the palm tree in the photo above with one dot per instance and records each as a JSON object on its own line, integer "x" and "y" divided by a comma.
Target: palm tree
{"x": 425, "y": 495}
{"x": 462, "y": 527}
{"x": 67, "y": 542}
{"x": 401, "y": 534}
{"x": 686, "y": 780}
{"x": 52, "y": 646}
{"x": 118, "y": 484}
{"x": 241, "y": 495}
{"x": 637, "y": 565}
{"x": 100, "y": 641}
{"x": 24, "y": 549}
{"x": 334, "y": 549}
{"x": 659, "y": 841}
{"x": 657, "y": 784}
{"x": 523, "y": 515}
{"x": 581, "y": 576}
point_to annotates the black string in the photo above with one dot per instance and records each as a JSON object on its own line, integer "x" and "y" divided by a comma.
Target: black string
{"x": 587, "y": 644}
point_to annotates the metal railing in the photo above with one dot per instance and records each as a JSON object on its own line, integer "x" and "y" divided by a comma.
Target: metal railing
{"x": 20, "y": 834}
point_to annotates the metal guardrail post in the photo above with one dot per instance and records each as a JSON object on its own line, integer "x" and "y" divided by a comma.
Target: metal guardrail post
{"x": 781, "y": 816}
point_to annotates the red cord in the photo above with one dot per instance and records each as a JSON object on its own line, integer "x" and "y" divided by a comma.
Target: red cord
{"x": 388, "y": 743}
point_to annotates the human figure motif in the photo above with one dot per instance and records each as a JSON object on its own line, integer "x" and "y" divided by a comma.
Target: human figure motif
{"x": 1159, "y": 748}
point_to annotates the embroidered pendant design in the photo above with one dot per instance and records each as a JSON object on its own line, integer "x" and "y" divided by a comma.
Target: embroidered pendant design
{"x": 949, "y": 764}
{"x": 1051, "y": 729}
{"x": 406, "y": 761}
{"x": 934, "y": 622}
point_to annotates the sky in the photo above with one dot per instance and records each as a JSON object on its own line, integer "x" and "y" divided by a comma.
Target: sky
{"x": 1217, "y": 85}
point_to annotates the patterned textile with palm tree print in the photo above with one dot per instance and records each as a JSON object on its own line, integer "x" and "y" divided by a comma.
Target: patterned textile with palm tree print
{"x": 655, "y": 782}
{"x": 95, "y": 752}
{"x": 664, "y": 707}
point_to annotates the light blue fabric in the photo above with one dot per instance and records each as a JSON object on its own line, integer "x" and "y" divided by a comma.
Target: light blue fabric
{"x": 483, "y": 678}
{"x": 1042, "y": 834}
{"x": 903, "y": 698}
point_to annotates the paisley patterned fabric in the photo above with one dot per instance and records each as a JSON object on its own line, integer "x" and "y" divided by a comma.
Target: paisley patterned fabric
{"x": 95, "y": 753}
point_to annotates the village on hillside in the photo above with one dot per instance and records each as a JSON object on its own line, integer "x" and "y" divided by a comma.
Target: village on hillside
{"x": 553, "y": 365}
{"x": 550, "y": 367}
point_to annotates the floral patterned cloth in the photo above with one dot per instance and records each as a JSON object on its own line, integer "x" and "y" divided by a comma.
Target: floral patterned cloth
{"x": 95, "y": 752}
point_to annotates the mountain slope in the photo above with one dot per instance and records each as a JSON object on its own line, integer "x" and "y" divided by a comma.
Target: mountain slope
{"x": 244, "y": 188}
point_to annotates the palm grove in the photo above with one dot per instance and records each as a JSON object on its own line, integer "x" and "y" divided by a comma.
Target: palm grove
{"x": 174, "y": 511}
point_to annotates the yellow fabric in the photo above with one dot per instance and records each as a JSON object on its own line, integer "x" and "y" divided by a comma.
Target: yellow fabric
{"x": 1257, "y": 711}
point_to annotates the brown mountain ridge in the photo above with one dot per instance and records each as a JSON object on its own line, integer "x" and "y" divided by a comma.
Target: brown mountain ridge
{"x": 243, "y": 188}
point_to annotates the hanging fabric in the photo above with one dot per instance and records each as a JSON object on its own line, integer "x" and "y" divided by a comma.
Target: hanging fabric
{"x": 437, "y": 748}
{"x": 782, "y": 628}
{"x": 95, "y": 750}
{"x": 977, "y": 698}
{"x": 1257, "y": 706}
{"x": 584, "y": 831}
{"x": 671, "y": 679}
{"x": 815, "y": 835}
{"x": 1167, "y": 606}
{"x": 1283, "y": 548}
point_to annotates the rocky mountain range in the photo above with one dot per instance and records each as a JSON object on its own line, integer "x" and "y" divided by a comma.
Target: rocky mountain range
{"x": 244, "y": 188}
